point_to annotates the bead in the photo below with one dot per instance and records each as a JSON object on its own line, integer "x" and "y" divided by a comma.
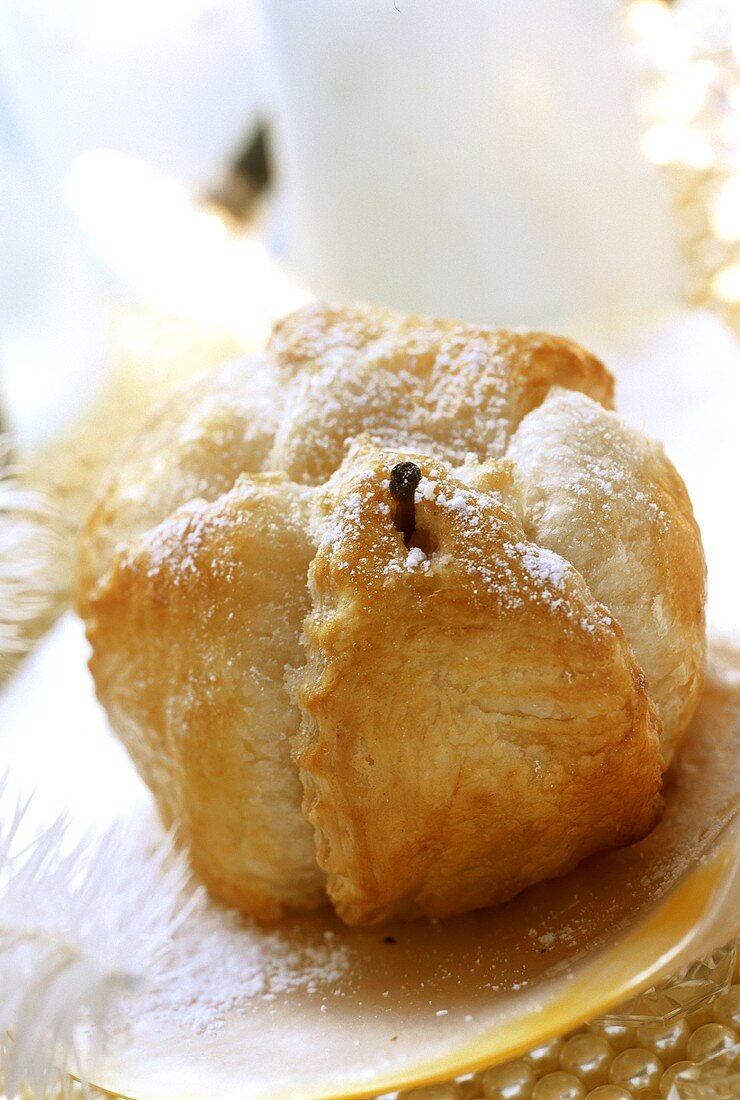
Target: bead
{"x": 727, "y": 1008}
{"x": 666, "y": 1081}
{"x": 587, "y": 1057}
{"x": 709, "y": 1040}
{"x": 702, "y": 1016}
{"x": 609, "y": 1092}
{"x": 546, "y": 1058}
{"x": 512, "y": 1081}
{"x": 618, "y": 1036}
{"x": 446, "y": 1091}
{"x": 471, "y": 1088}
{"x": 559, "y": 1086}
{"x": 636, "y": 1070}
{"x": 667, "y": 1040}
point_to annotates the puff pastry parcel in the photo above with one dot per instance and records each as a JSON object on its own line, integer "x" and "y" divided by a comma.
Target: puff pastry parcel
{"x": 398, "y": 614}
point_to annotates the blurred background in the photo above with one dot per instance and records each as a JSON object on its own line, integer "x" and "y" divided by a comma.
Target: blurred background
{"x": 176, "y": 174}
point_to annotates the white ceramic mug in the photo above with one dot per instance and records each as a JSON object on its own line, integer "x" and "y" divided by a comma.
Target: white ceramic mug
{"x": 478, "y": 159}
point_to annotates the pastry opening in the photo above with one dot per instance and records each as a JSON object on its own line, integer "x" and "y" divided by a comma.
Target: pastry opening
{"x": 425, "y": 540}
{"x": 405, "y": 477}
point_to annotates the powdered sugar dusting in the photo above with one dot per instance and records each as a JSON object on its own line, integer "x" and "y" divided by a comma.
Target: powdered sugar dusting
{"x": 426, "y": 489}
{"x": 222, "y": 964}
{"x": 424, "y": 386}
{"x": 346, "y": 517}
{"x": 417, "y": 559}
{"x": 429, "y": 489}
{"x": 462, "y": 528}
{"x": 458, "y": 502}
{"x": 543, "y": 565}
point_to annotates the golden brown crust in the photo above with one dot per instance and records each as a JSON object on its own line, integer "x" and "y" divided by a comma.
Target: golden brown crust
{"x": 608, "y": 499}
{"x": 438, "y": 387}
{"x": 330, "y": 374}
{"x": 473, "y": 719}
{"x": 194, "y": 447}
{"x": 191, "y": 631}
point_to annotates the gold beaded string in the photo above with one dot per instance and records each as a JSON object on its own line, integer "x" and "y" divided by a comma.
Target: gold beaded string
{"x": 689, "y": 101}
{"x": 693, "y": 1048}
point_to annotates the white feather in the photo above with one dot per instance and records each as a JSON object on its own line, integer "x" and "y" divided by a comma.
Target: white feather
{"x": 78, "y": 925}
{"x": 29, "y": 555}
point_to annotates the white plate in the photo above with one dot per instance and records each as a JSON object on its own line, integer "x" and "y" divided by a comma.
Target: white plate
{"x": 310, "y": 1009}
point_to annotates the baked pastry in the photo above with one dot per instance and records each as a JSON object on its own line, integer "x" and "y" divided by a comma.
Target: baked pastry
{"x": 398, "y": 614}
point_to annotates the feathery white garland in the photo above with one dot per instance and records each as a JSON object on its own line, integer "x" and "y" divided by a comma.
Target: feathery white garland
{"x": 29, "y": 551}
{"x": 78, "y": 924}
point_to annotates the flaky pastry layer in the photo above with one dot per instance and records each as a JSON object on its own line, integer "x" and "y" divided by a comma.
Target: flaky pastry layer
{"x": 404, "y": 725}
